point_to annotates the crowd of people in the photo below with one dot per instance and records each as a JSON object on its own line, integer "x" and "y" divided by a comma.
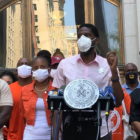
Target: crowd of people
{"x": 24, "y": 113}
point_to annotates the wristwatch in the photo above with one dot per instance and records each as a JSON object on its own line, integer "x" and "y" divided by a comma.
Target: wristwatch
{"x": 115, "y": 79}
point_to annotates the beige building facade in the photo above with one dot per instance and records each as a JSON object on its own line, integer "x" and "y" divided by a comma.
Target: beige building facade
{"x": 50, "y": 31}
{"x": 14, "y": 49}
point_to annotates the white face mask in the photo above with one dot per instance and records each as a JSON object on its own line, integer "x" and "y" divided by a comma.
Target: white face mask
{"x": 40, "y": 75}
{"x": 84, "y": 43}
{"x": 24, "y": 71}
{"x": 52, "y": 73}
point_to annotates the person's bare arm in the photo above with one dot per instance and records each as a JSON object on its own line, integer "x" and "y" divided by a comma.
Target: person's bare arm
{"x": 118, "y": 92}
{"x": 117, "y": 89}
{"x": 136, "y": 127}
{"x": 5, "y": 112}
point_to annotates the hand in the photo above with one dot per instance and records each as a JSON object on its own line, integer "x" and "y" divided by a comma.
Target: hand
{"x": 112, "y": 60}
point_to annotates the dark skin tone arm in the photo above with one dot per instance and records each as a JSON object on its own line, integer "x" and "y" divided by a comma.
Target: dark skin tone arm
{"x": 136, "y": 127}
{"x": 5, "y": 112}
{"x": 118, "y": 92}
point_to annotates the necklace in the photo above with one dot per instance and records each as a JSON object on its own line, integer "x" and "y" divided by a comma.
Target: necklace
{"x": 40, "y": 90}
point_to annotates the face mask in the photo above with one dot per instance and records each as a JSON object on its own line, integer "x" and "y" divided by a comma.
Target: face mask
{"x": 84, "y": 43}
{"x": 24, "y": 71}
{"x": 40, "y": 75}
{"x": 132, "y": 77}
{"x": 52, "y": 73}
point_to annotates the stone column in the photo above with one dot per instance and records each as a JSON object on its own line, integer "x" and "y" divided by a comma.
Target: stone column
{"x": 27, "y": 28}
{"x": 89, "y": 11}
{"x": 131, "y": 25}
{"x": 138, "y": 24}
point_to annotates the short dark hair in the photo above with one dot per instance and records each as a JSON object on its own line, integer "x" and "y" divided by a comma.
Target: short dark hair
{"x": 132, "y": 64}
{"x": 10, "y": 74}
{"x": 45, "y": 54}
{"x": 47, "y": 59}
{"x": 92, "y": 27}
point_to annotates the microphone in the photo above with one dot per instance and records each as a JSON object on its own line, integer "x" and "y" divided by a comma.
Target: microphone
{"x": 51, "y": 105}
{"x": 107, "y": 112}
{"x": 53, "y": 93}
{"x": 107, "y": 109}
{"x": 61, "y": 90}
{"x": 58, "y": 92}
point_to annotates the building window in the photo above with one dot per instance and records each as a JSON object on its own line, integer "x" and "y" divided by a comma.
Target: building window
{"x": 35, "y": 6}
{"x": 64, "y": 17}
{"x": 36, "y": 28}
{"x": 36, "y": 18}
{"x": 37, "y": 40}
{"x": 109, "y": 26}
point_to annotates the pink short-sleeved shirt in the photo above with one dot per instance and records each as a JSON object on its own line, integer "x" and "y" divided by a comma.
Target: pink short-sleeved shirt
{"x": 73, "y": 68}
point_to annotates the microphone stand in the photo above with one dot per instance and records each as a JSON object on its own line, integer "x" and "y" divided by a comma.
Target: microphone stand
{"x": 56, "y": 129}
{"x": 99, "y": 121}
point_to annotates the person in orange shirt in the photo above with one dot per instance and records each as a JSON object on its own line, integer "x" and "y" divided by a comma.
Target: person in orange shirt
{"x": 34, "y": 102}
{"x": 16, "y": 123}
{"x": 116, "y": 118}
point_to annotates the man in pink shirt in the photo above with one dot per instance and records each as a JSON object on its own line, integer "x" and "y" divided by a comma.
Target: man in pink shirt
{"x": 90, "y": 66}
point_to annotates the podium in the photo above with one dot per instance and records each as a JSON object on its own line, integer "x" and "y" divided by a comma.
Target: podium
{"x": 80, "y": 105}
{"x": 90, "y": 115}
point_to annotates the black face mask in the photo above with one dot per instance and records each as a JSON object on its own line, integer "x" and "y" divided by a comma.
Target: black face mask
{"x": 132, "y": 77}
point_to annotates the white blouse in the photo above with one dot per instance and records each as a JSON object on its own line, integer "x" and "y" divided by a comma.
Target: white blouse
{"x": 41, "y": 130}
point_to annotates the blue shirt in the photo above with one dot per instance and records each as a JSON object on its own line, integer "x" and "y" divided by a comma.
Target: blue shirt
{"x": 128, "y": 89}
